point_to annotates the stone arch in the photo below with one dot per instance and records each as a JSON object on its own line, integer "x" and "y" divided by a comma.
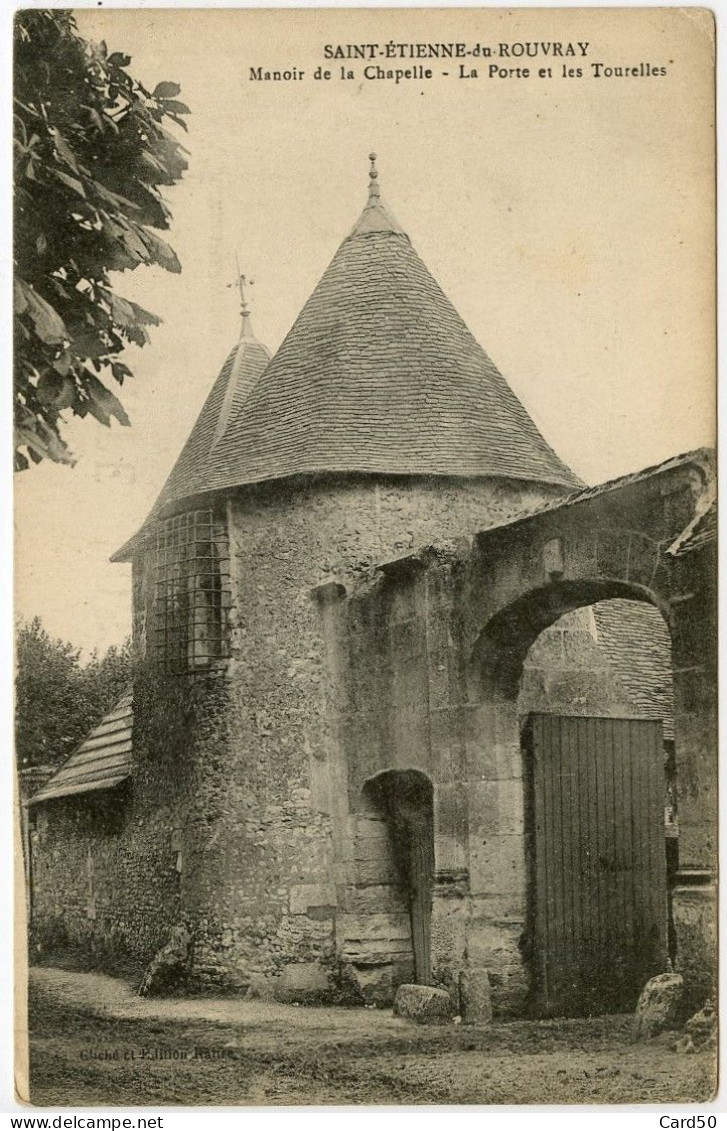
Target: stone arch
{"x": 412, "y": 784}
{"x": 494, "y": 669}
{"x": 496, "y": 659}
{"x": 564, "y": 557}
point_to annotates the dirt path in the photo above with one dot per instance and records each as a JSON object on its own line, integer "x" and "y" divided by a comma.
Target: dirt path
{"x": 93, "y": 1041}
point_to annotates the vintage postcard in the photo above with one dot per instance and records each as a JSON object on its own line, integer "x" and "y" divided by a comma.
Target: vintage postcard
{"x": 366, "y": 556}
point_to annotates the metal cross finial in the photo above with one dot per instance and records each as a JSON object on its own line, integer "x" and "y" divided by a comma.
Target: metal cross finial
{"x": 374, "y": 191}
{"x": 241, "y": 282}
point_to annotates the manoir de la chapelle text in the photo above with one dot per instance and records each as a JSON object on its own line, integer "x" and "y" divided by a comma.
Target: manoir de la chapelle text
{"x": 504, "y": 60}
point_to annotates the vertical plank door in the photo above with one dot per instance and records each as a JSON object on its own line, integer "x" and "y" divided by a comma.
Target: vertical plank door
{"x": 598, "y": 872}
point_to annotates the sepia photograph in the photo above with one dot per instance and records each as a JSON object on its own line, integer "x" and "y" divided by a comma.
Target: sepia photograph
{"x": 365, "y": 557}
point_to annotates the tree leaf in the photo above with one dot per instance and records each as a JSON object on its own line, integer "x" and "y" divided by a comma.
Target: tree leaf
{"x": 114, "y": 198}
{"x": 162, "y": 252}
{"x": 173, "y": 107}
{"x": 64, "y": 149}
{"x": 166, "y": 90}
{"x": 134, "y": 239}
{"x": 48, "y": 444}
{"x": 120, "y": 371}
{"x": 58, "y": 286}
{"x": 89, "y": 345}
{"x": 19, "y": 297}
{"x": 49, "y": 326}
{"x": 125, "y": 313}
{"x": 97, "y": 120}
{"x": 60, "y": 392}
{"x": 27, "y": 438}
{"x": 102, "y": 403}
{"x": 71, "y": 182}
{"x": 62, "y": 364}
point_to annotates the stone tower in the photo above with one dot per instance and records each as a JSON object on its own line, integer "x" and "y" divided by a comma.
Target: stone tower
{"x": 379, "y": 427}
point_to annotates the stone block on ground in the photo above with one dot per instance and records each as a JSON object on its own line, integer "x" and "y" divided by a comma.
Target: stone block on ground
{"x": 475, "y": 995}
{"x": 304, "y": 982}
{"x": 260, "y": 988}
{"x": 169, "y": 966}
{"x": 373, "y": 984}
{"x": 658, "y": 1005}
{"x": 424, "y": 1004}
{"x": 702, "y": 1027}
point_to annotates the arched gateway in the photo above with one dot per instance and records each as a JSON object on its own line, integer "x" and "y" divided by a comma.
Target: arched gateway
{"x": 454, "y": 626}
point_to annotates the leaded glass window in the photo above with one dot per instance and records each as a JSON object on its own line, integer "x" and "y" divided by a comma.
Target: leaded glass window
{"x": 192, "y": 591}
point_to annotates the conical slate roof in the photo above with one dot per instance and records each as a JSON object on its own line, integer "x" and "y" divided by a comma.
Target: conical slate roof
{"x": 242, "y": 368}
{"x": 379, "y": 374}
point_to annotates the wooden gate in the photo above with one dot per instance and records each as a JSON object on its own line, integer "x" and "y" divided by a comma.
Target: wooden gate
{"x": 598, "y": 910}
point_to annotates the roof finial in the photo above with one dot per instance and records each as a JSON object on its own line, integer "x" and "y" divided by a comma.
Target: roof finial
{"x": 374, "y": 191}
{"x": 241, "y": 282}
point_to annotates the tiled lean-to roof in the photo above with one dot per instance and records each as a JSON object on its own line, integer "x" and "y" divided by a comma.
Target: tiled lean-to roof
{"x": 703, "y": 459}
{"x": 102, "y": 761}
{"x": 379, "y": 374}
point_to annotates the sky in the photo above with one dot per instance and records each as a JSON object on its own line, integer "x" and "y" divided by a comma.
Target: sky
{"x": 570, "y": 221}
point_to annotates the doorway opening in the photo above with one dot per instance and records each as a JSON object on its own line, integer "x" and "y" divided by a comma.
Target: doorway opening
{"x": 596, "y": 691}
{"x": 405, "y": 800}
{"x": 598, "y": 651}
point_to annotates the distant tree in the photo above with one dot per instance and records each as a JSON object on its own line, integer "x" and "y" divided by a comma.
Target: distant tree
{"x": 90, "y": 155}
{"x": 105, "y": 678}
{"x": 58, "y": 698}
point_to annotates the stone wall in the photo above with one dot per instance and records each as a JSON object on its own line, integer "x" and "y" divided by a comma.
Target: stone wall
{"x": 694, "y": 899}
{"x": 107, "y": 868}
{"x": 373, "y": 927}
{"x": 422, "y": 686}
{"x": 565, "y": 672}
{"x": 103, "y": 880}
{"x": 281, "y": 869}
{"x": 237, "y": 818}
